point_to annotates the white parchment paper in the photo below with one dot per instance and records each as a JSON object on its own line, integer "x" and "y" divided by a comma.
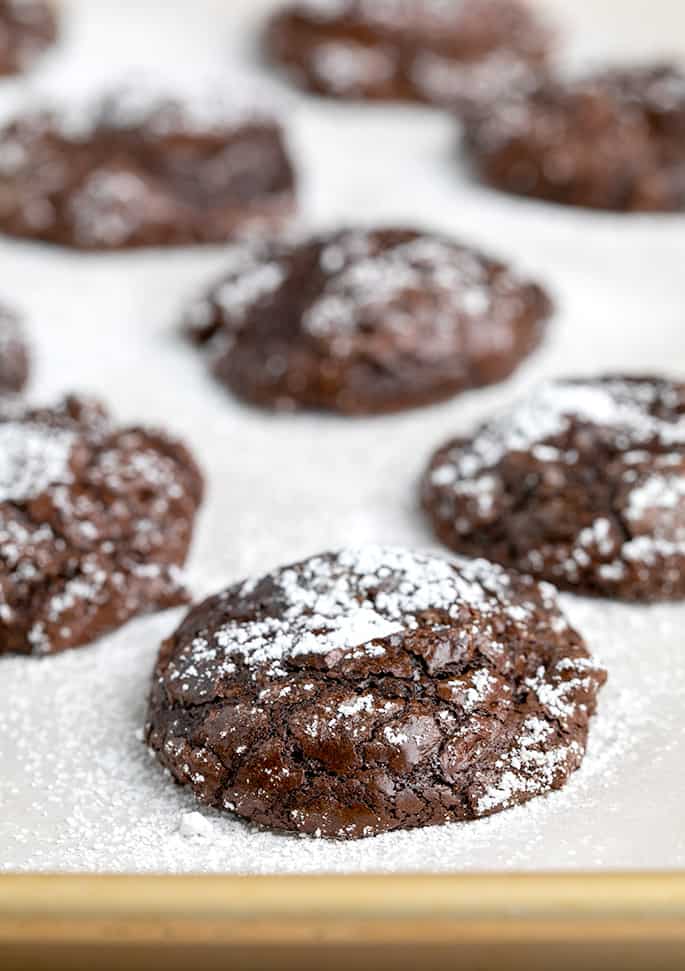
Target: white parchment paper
{"x": 78, "y": 790}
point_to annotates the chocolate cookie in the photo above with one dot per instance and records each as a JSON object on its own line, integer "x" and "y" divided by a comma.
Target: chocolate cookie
{"x": 139, "y": 168}
{"x": 95, "y": 522}
{"x": 425, "y": 50}
{"x": 375, "y": 689}
{"x": 365, "y": 321}
{"x": 582, "y": 483}
{"x": 14, "y": 356}
{"x": 27, "y": 28}
{"x": 614, "y": 140}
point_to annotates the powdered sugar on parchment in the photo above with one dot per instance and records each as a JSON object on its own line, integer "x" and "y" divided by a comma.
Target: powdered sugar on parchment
{"x": 78, "y": 790}
{"x": 109, "y": 807}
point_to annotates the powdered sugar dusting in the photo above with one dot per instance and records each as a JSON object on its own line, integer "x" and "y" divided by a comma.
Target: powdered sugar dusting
{"x": 196, "y": 102}
{"x": 341, "y": 64}
{"x": 33, "y": 459}
{"x": 448, "y": 81}
{"x": 547, "y": 411}
{"x": 659, "y": 491}
{"x": 348, "y": 599}
{"x": 252, "y": 270}
{"x": 531, "y": 108}
{"x": 528, "y": 770}
{"x": 108, "y": 208}
{"x": 364, "y": 280}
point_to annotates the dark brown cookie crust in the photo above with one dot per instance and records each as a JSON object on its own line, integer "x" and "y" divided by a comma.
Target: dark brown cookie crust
{"x": 615, "y": 140}
{"x": 14, "y": 355}
{"x": 371, "y": 690}
{"x": 411, "y": 50}
{"x": 582, "y": 484}
{"x": 27, "y": 28}
{"x": 137, "y": 169}
{"x": 95, "y": 522}
{"x": 365, "y": 322}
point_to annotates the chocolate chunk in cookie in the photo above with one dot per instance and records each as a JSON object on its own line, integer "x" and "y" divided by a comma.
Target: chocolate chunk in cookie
{"x": 373, "y": 689}
{"x": 144, "y": 168}
{"x": 365, "y": 321}
{"x": 614, "y": 140}
{"x": 27, "y": 28}
{"x": 425, "y": 50}
{"x": 14, "y": 355}
{"x": 582, "y": 483}
{"x": 95, "y": 522}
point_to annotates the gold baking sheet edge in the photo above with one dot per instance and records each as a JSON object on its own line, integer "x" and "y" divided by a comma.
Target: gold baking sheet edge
{"x": 627, "y": 916}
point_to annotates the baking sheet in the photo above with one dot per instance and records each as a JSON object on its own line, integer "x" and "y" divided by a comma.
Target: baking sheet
{"x": 78, "y": 791}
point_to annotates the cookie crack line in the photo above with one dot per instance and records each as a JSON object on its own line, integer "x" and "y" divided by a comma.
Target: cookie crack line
{"x": 277, "y": 699}
{"x": 326, "y": 676}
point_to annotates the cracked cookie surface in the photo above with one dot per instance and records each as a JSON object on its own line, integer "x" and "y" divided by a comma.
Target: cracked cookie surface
{"x": 365, "y": 321}
{"x": 27, "y": 29}
{"x": 582, "y": 483}
{"x": 95, "y": 522}
{"x": 415, "y": 50}
{"x": 145, "y": 166}
{"x": 14, "y": 354}
{"x": 373, "y": 689}
{"x": 614, "y": 140}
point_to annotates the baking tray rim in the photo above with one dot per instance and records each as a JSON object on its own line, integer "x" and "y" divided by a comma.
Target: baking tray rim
{"x": 293, "y": 910}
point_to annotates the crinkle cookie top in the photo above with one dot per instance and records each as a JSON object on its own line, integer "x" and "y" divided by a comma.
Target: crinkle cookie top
{"x": 94, "y": 523}
{"x": 372, "y": 689}
{"x": 365, "y": 320}
{"x": 583, "y": 483}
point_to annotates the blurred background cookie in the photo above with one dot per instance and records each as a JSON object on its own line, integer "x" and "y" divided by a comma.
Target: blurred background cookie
{"x": 145, "y": 167}
{"x": 365, "y": 321}
{"x": 582, "y": 483}
{"x": 611, "y": 140}
{"x": 95, "y": 522}
{"x": 425, "y": 50}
